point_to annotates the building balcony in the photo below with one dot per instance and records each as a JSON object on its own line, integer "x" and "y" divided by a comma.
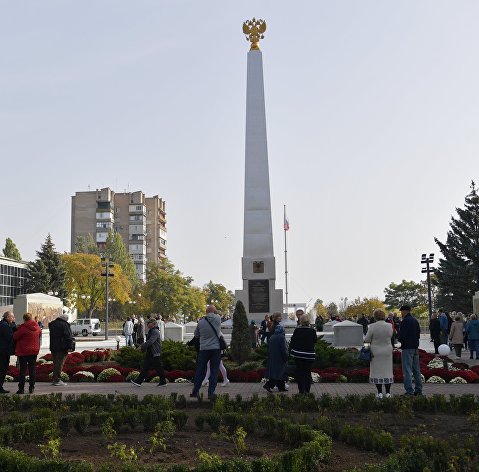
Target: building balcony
{"x": 104, "y": 225}
{"x": 137, "y": 219}
{"x": 104, "y": 216}
{"x": 137, "y": 249}
{"x": 137, "y": 209}
{"x": 104, "y": 206}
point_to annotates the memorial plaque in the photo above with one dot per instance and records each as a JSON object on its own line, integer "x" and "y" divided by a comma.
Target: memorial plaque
{"x": 258, "y": 294}
{"x": 258, "y": 267}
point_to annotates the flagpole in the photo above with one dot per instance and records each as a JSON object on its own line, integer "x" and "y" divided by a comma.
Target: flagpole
{"x": 285, "y": 260}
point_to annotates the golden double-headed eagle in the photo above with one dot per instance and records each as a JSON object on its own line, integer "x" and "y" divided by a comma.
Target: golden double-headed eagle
{"x": 254, "y": 29}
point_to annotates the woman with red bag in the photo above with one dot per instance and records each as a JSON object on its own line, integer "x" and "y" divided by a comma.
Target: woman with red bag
{"x": 27, "y": 339}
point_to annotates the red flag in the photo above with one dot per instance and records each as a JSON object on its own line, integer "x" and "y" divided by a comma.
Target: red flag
{"x": 286, "y": 223}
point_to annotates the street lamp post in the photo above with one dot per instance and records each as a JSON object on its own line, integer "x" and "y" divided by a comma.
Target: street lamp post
{"x": 107, "y": 264}
{"x": 428, "y": 260}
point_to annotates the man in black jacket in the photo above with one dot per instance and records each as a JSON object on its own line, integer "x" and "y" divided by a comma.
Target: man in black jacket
{"x": 7, "y": 327}
{"x": 409, "y": 334}
{"x": 61, "y": 342}
{"x": 152, "y": 348}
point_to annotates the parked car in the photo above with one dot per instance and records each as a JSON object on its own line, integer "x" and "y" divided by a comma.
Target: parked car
{"x": 85, "y": 326}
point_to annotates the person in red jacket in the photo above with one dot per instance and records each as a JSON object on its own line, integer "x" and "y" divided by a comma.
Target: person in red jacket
{"x": 27, "y": 339}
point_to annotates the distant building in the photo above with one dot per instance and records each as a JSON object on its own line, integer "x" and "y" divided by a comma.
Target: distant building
{"x": 140, "y": 220}
{"x": 12, "y": 280}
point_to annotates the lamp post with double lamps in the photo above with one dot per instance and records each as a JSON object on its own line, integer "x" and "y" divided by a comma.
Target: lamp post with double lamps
{"x": 428, "y": 260}
{"x": 85, "y": 304}
{"x": 107, "y": 265}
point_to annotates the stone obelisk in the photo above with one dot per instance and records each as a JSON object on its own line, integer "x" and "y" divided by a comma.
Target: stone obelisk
{"x": 259, "y": 294}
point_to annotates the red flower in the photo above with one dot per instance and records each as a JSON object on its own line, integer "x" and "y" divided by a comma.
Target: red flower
{"x": 13, "y": 372}
{"x": 330, "y": 376}
{"x": 115, "y": 378}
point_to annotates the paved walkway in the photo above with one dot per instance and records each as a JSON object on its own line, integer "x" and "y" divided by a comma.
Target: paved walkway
{"x": 246, "y": 390}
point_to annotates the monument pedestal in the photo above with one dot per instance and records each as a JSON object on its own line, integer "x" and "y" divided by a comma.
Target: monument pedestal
{"x": 475, "y": 304}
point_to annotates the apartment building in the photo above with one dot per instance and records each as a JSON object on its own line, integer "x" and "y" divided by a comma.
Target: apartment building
{"x": 140, "y": 220}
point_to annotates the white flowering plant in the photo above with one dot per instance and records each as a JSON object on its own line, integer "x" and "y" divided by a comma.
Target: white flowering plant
{"x": 435, "y": 379}
{"x": 437, "y": 363}
{"x": 315, "y": 377}
{"x": 181, "y": 380}
{"x": 104, "y": 375}
{"x": 458, "y": 380}
{"x": 84, "y": 376}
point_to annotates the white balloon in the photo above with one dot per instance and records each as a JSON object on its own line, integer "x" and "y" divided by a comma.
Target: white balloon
{"x": 444, "y": 350}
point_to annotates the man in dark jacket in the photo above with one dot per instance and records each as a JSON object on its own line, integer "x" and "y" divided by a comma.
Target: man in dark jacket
{"x": 409, "y": 335}
{"x": 7, "y": 327}
{"x": 152, "y": 348}
{"x": 61, "y": 342}
{"x": 363, "y": 321}
{"x": 302, "y": 350}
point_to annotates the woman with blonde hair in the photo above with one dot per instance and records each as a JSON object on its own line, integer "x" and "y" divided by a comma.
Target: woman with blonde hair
{"x": 381, "y": 368}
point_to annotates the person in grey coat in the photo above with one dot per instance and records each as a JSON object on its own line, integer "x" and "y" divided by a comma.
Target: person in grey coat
{"x": 140, "y": 331}
{"x": 152, "y": 348}
{"x": 208, "y": 331}
{"x": 277, "y": 360}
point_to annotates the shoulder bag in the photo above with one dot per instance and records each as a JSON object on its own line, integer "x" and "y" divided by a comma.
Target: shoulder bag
{"x": 221, "y": 339}
{"x": 365, "y": 354}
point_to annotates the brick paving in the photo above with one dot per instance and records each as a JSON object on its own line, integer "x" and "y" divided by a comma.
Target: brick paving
{"x": 246, "y": 390}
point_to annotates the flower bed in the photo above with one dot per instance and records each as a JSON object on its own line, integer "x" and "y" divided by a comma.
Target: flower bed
{"x": 95, "y": 362}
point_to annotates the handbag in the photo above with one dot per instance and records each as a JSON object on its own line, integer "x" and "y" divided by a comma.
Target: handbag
{"x": 365, "y": 354}
{"x": 194, "y": 342}
{"x": 221, "y": 339}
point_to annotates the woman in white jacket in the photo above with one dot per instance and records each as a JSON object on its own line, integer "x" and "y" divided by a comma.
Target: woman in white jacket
{"x": 381, "y": 369}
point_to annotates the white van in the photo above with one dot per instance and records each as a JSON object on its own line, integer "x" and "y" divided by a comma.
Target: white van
{"x": 85, "y": 326}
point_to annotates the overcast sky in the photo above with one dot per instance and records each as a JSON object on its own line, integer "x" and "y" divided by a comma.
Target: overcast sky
{"x": 372, "y": 112}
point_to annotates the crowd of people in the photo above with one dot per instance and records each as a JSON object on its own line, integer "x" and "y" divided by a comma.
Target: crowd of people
{"x": 381, "y": 332}
{"x": 456, "y": 329}
{"x": 24, "y": 341}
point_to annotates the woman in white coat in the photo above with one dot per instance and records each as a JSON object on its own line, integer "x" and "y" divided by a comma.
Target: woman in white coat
{"x": 381, "y": 369}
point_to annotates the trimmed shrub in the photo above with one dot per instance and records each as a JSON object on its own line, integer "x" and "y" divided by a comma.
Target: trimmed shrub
{"x": 240, "y": 347}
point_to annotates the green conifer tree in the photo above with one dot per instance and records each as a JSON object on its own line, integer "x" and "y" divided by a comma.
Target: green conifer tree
{"x": 46, "y": 273}
{"x": 37, "y": 279}
{"x": 240, "y": 339}
{"x": 10, "y": 250}
{"x": 458, "y": 271}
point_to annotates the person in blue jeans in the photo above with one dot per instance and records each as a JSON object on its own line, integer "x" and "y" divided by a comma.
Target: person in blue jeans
{"x": 209, "y": 331}
{"x": 472, "y": 330}
{"x": 409, "y": 334}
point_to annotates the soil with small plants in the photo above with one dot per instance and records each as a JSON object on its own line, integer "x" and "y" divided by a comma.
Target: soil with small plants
{"x": 185, "y": 445}
{"x": 181, "y": 448}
